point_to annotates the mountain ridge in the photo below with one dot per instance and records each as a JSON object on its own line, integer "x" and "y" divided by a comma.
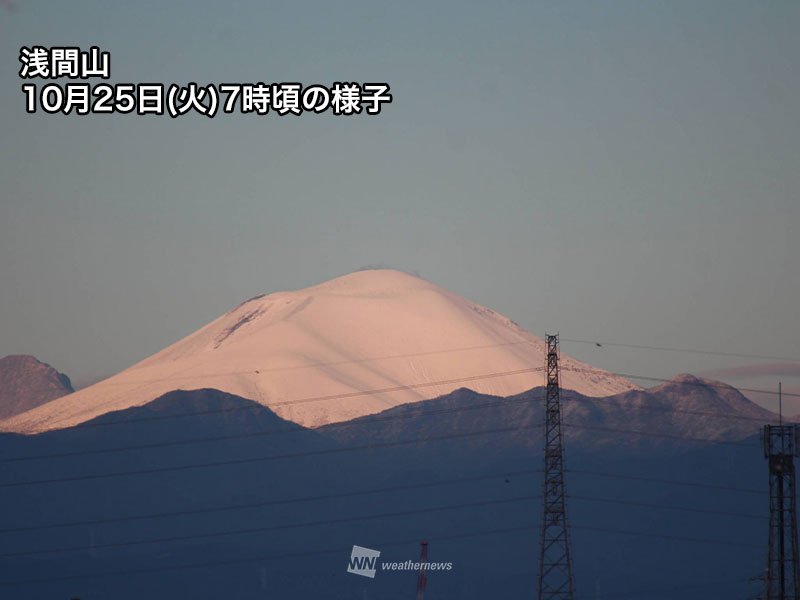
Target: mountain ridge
{"x": 662, "y": 416}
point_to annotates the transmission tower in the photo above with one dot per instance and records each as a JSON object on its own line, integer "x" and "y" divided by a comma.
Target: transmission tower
{"x": 555, "y": 569}
{"x": 423, "y": 571}
{"x": 780, "y": 448}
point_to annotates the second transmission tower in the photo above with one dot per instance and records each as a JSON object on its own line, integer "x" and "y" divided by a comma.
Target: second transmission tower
{"x": 555, "y": 569}
{"x": 783, "y": 578}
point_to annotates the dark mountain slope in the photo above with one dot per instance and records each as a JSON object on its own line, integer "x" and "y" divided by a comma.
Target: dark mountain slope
{"x": 249, "y": 513}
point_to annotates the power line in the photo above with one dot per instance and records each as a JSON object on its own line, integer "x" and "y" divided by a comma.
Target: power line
{"x": 712, "y": 384}
{"x": 369, "y": 446}
{"x": 446, "y": 351}
{"x": 667, "y": 507}
{"x": 379, "y": 490}
{"x": 257, "y": 559}
{"x": 427, "y": 384}
{"x": 219, "y": 563}
{"x": 426, "y": 413}
{"x": 671, "y": 436}
{"x": 372, "y": 419}
{"x": 680, "y": 538}
{"x": 677, "y": 588}
{"x": 320, "y": 398}
{"x": 361, "y": 447}
{"x": 327, "y": 364}
{"x": 669, "y": 409}
{"x": 267, "y": 458}
{"x": 264, "y": 503}
{"x": 704, "y": 383}
{"x": 296, "y": 499}
{"x": 667, "y": 481}
{"x": 345, "y": 395}
{"x": 294, "y": 429}
{"x": 263, "y": 529}
{"x": 183, "y": 538}
{"x": 687, "y": 350}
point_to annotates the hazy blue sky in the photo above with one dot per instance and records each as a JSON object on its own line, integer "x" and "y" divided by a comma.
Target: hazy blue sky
{"x": 626, "y": 171}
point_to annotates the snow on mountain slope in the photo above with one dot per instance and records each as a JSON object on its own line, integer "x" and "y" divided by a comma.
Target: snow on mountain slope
{"x": 368, "y": 330}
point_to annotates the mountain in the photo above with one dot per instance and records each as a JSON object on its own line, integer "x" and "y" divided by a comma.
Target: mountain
{"x": 676, "y": 414}
{"x": 26, "y": 383}
{"x": 144, "y": 502}
{"x": 311, "y": 354}
{"x": 707, "y": 407}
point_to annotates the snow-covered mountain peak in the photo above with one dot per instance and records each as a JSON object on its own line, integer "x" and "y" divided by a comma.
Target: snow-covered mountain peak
{"x": 352, "y": 346}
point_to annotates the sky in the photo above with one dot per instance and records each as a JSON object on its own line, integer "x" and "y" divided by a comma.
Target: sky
{"x": 620, "y": 171}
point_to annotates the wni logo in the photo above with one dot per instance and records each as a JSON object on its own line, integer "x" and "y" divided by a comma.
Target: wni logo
{"x": 363, "y": 561}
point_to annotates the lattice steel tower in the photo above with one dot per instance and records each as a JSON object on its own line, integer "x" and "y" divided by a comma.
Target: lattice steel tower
{"x": 780, "y": 448}
{"x": 555, "y": 569}
{"x": 422, "y": 579}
